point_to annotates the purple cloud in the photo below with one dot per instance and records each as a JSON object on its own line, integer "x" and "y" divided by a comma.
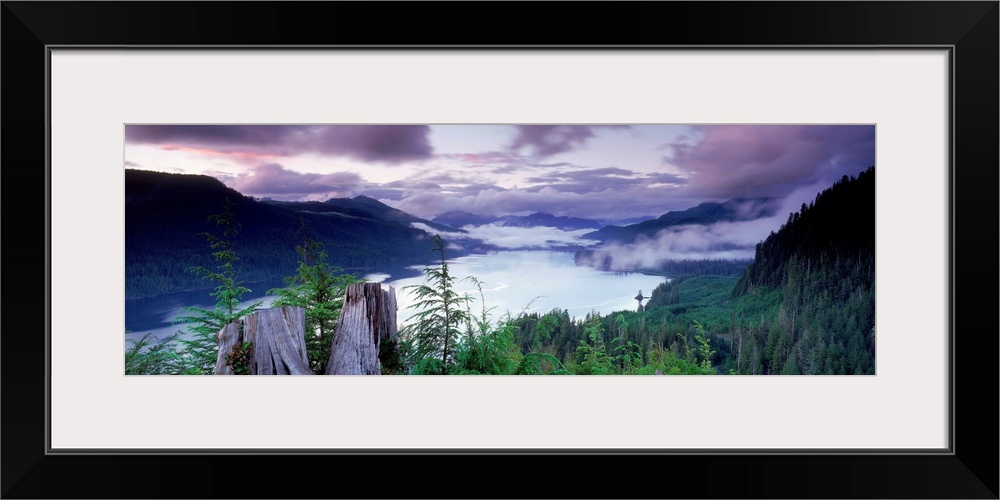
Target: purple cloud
{"x": 609, "y": 180}
{"x": 547, "y": 140}
{"x": 623, "y": 202}
{"x": 386, "y": 143}
{"x": 770, "y": 160}
{"x": 663, "y": 178}
{"x": 593, "y": 180}
{"x": 609, "y": 193}
{"x": 386, "y": 195}
{"x": 272, "y": 179}
{"x": 498, "y": 162}
{"x": 377, "y": 143}
{"x": 442, "y": 178}
{"x": 473, "y": 189}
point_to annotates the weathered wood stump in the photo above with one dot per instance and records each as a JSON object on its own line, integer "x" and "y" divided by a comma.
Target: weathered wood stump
{"x": 367, "y": 318}
{"x": 278, "y": 338}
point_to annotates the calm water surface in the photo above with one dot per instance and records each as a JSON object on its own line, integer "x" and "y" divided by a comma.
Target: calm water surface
{"x": 514, "y": 281}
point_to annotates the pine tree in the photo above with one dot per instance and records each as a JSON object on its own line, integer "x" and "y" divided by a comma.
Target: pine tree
{"x": 318, "y": 288}
{"x": 546, "y": 326}
{"x": 150, "y": 356}
{"x": 441, "y": 313}
{"x": 593, "y": 355}
{"x": 704, "y": 349}
{"x": 627, "y": 357}
{"x": 199, "y": 353}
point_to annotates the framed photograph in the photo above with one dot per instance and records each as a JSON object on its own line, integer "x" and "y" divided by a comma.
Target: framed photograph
{"x": 747, "y": 145}
{"x": 348, "y": 222}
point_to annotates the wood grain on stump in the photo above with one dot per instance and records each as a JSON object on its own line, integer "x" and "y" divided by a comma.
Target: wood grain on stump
{"x": 278, "y": 338}
{"x": 367, "y": 318}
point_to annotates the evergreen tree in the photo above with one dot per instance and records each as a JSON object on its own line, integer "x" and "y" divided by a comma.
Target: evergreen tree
{"x": 199, "y": 353}
{"x": 484, "y": 349}
{"x": 441, "y": 312}
{"x": 546, "y": 326}
{"x": 627, "y": 356}
{"x": 149, "y": 356}
{"x": 704, "y": 348}
{"x": 592, "y": 354}
{"x": 318, "y": 288}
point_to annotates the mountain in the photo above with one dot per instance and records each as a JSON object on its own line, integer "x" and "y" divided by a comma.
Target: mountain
{"x": 837, "y": 229}
{"x": 539, "y": 219}
{"x": 362, "y": 207}
{"x": 458, "y": 218}
{"x": 821, "y": 264}
{"x": 625, "y": 222}
{"x": 738, "y": 209}
{"x": 165, "y": 215}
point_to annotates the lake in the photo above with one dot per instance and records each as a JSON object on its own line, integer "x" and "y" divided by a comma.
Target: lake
{"x": 514, "y": 281}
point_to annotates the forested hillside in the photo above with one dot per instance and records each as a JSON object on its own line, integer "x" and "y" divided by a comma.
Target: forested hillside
{"x": 805, "y": 305}
{"x": 364, "y": 207}
{"x": 823, "y": 263}
{"x": 166, "y": 213}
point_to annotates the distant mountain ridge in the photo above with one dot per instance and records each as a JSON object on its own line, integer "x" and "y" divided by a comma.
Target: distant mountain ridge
{"x": 364, "y": 207}
{"x": 459, "y": 218}
{"x": 737, "y": 209}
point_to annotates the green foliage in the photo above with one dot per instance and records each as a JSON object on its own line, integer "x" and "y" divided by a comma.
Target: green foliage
{"x": 667, "y": 362}
{"x": 704, "y": 348}
{"x": 201, "y": 350}
{"x": 149, "y": 356}
{"x": 541, "y": 363}
{"x": 592, "y": 355}
{"x": 391, "y": 356}
{"x": 441, "y": 312}
{"x": 490, "y": 353}
{"x": 547, "y": 325}
{"x": 484, "y": 349}
{"x": 239, "y": 358}
{"x": 819, "y": 272}
{"x": 627, "y": 355}
{"x": 428, "y": 366}
{"x": 318, "y": 288}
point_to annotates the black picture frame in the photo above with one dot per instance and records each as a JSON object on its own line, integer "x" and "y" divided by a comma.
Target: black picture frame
{"x": 970, "y": 29}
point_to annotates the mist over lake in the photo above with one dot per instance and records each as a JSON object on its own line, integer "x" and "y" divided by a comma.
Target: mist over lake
{"x": 533, "y": 281}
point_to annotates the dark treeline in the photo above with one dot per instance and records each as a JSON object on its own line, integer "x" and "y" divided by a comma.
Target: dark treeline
{"x": 684, "y": 329}
{"x": 823, "y": 262}
{"x": 687, "y": 267}
{"x": 838, "y": 225}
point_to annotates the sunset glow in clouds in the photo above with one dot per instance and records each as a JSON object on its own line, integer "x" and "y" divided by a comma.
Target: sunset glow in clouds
{"x": 607, "y": 172}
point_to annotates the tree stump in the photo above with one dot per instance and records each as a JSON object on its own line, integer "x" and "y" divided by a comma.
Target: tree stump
{"x": 278, "y": 338}
{"x": 227, "y": 338}
{"x": 367, "y": 318}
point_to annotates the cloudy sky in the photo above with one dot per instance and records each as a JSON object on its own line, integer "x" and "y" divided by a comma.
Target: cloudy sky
{"x": 596, "y": 171}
